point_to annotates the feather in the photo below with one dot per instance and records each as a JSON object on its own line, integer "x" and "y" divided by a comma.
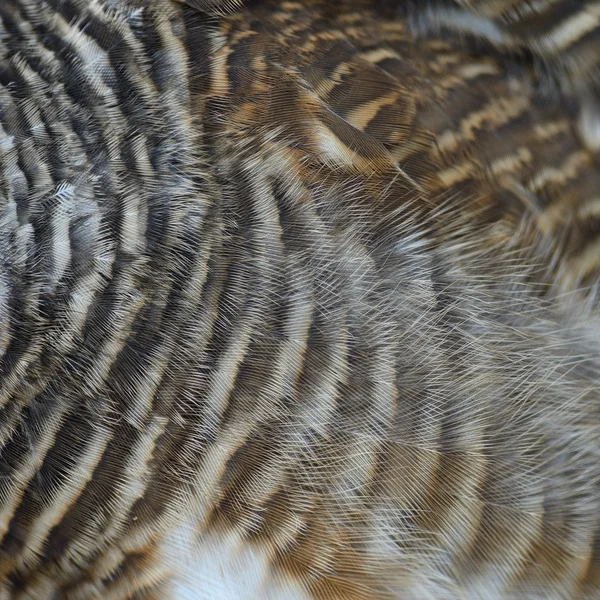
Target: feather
{"x": 299, "y": 300}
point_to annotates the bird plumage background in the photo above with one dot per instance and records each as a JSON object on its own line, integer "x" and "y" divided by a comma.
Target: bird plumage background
{"x": 299, "y": 300}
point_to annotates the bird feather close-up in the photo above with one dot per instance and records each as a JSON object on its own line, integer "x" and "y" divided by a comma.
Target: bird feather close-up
{"x": 300, "y": 300}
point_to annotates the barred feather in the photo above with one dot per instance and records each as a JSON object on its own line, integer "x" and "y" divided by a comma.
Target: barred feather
{"x": 296, "y": 301}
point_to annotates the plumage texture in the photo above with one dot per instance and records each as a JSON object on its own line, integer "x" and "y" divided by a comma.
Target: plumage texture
{"x": 298, "y": 300}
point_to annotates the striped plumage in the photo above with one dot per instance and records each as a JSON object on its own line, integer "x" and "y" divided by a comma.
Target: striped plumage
{"x": 299, "y": 300}
{"x": 560, "y": 36}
